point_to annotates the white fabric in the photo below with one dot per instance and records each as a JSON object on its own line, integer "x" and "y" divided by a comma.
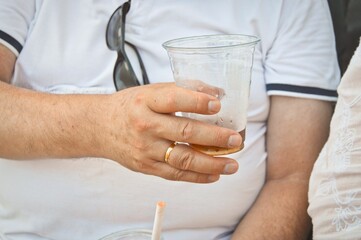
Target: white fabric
{"x": 335, "y": 191}
{"x": 64, "y": 51}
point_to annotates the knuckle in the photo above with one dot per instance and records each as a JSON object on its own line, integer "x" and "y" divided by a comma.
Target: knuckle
{"x": 139, "y": 98}
{"x": 220, "y": 138}
{"x": 179, "y": 175}
{"x": 140, "y": 148}
{"x": 136, "y": 114}
{"x": 140, "y": 166}
{"x": 201, "y": 178}
{"x": 185, "y": 160}
{"x": 142, "y": 125}
{"x": 187, "y": 129}
{"x": 198, "y": 104}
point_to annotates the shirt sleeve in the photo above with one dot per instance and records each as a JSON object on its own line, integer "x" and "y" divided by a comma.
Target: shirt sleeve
{"x": 15, "y": 20}
{"x": 302, "y": 61}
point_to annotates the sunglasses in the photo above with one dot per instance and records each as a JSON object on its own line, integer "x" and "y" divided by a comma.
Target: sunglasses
{"x": 123, "y": 74}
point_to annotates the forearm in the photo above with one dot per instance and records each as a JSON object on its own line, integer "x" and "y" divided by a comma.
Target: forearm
{"x": 40, "y": 125}
{"x": 280, "y": 212}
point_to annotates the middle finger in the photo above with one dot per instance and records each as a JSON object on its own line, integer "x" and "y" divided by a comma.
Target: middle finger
{"x": 181, "y": 129}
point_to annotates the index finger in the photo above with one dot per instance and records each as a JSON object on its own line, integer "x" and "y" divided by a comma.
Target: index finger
{"x": 200, "y": 86}
{"x": 169, "y": 98}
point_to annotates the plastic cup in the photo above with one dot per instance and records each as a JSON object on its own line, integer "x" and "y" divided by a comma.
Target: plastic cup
{"x": 130, "y": 234}
{"x": 220, "y": 65}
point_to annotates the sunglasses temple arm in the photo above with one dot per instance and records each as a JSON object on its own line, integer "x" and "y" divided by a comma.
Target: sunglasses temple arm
{"x": 142, "y": 67}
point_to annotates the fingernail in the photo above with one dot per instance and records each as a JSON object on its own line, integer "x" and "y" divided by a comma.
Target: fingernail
{"x": 235, "y": 140}
{"x": 213, "y": 106}
{"x": 230, "y": 168}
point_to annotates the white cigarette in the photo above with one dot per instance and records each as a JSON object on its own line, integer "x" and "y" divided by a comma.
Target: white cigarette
{"x": 158, "y": 219}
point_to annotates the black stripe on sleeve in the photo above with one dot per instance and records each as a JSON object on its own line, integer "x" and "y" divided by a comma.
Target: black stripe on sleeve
{"x": 12, "y": 41}
{"x": 301, "y": 89}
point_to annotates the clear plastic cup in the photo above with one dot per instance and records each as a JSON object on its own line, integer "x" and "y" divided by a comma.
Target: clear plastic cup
{"x": 220, "y": 65}
{"x": 130, "y": 234}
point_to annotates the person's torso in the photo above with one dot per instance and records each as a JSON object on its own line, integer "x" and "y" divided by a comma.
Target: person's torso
{"x": 66, "y": 52}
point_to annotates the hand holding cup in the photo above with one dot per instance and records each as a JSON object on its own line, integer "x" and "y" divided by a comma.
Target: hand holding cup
{"x": 141, "y": 125}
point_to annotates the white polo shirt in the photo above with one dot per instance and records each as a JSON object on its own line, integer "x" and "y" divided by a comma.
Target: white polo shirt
{"x": 61, "y": 48}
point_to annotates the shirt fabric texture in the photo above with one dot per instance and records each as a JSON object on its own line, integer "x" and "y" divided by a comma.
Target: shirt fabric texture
{"x": 61, "y": 49}
{"x": 335, "y": 194}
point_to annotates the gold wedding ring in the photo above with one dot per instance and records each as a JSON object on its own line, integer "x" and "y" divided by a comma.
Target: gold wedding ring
{"x": 169, "y": 150}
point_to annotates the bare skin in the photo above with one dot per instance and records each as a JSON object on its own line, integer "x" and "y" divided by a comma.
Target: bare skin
{"x": 297, "y": 130}
{"x": 133, "y": 127}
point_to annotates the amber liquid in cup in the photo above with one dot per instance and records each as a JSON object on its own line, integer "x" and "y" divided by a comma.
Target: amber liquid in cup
{"x": 217, "y": 151}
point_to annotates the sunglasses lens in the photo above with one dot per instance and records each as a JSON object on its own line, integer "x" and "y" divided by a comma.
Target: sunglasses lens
{"x": 123, "y": 77}
{"x": 114, "y": 33}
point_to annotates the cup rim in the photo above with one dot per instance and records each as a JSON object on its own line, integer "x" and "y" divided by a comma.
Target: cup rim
{"x": 175, "y": 44}
{"x": 126, "y": 231}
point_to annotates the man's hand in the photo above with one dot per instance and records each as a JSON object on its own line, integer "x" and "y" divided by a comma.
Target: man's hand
{"x": 141, "y": 125}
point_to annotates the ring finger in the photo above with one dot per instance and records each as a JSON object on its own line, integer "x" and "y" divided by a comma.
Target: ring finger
{"x": 183, "y": 157}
